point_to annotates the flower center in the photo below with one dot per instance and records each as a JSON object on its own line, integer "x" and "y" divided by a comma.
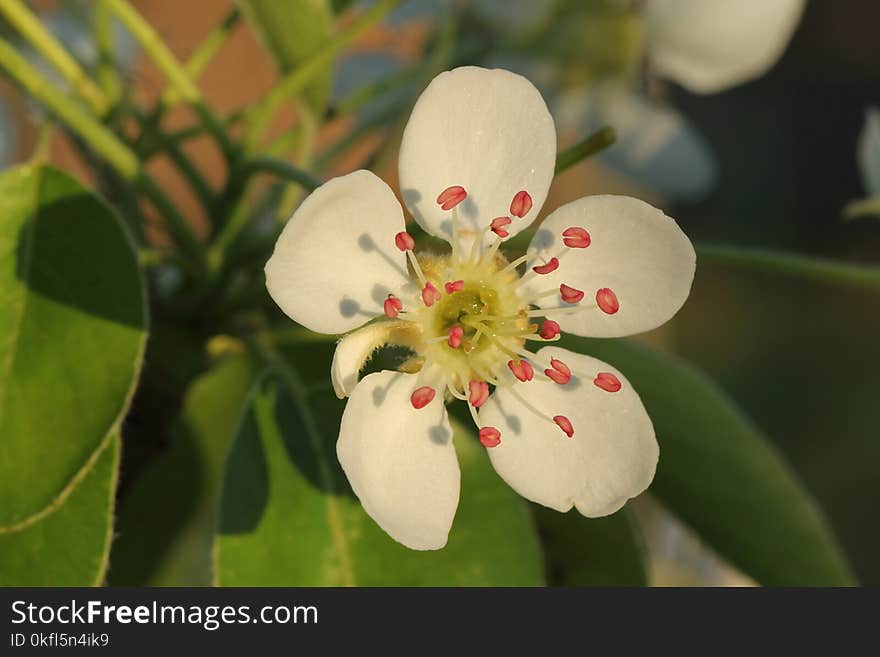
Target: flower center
{"x": 478, "y": 325}
{"x": 475, "y": 318}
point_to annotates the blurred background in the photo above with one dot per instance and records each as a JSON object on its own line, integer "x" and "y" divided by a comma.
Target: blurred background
{"x": 771, "y": 161}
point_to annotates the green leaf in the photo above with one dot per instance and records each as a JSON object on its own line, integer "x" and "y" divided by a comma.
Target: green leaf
{"x": 822, "y": 270}
{"x": 722, "y": 477}
{"x": 72, "y": 334}
{"x": 288, "y": 517}
{"x": 173, "y": 548}
{"x": 70, "y": 544}
{"x": 591, "y": 551}
{"x": 291, "y": 31}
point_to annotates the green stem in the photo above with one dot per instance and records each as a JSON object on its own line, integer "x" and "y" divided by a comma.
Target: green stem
{"x": 97, "y": 136}
{"x": 342, "y": 146}
{"x": 282, "y": 169}
{"x": 284, "y": 143}
{"x": 108, "y": 76}
{"x": 791, "y": 264}
{"x": 241, "y": 187}
{"x": 203, "y": 55}
{"x": 357, "y": 99}
{"x": 304, "y": 158}
{"x": 47, "y": 45}
{"x": 261, "y": 114}
{"x": 177, "y": 76}
{"x": 189, "y": 171}
{"x": 102, "y": 141}
{"x": 595, "y": 143}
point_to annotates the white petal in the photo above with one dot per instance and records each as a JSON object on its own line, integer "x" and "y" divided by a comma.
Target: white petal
{"x": 400, "y": 461}
{"x": 711, "y": 45}
{"x": 636, "y": 251}
{"x": 335, "y": 262}
{"x": 354, "y": 350}
{"x": 656, "y": 146}
{"x": 610, "y": 458}
{"x": 487, "y": 130}
{"x": 869, "y": 151}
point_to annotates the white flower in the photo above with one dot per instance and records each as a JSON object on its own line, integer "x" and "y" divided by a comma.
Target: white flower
{"x": 711, "y": 45}
{"x": 563, "y": 429}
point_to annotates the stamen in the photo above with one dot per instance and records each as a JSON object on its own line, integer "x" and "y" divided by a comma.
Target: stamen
{"x": 551, "y": 266}
{"x": 576, "y": 238}
{"x": 521, "y": 204}
{"x": 490, "y": 254}
{"x": 542, "y": 295}
{"x": 455, "y": 393}
{"x": 430, "y": 294}
{"x": 607, "y": 381}
{"x": 490, "y": 437}
{"x": 404, "y": 241}
{"x": 516, "y": 263}
{"x": 570, "y": 294}
{"x": 558, "y": 372}
{"x": 607, "y": 301}
{"x": 539, "y": 338}
{"x": 521, "y": 369}
{"x": 456, "y": 333}
{"x": 527, "y": 404}
{"x": 423, "y": 396}
{"x": 392, "y": 306}
{"x": 565, "y": 424}
{"x": 488, "y": 378}
{"x": 451, "y": 196}
{"x": 415, "y": 265}
{"x": 531, "y": 273}
{"x": 479, "y": 393}
{"x": 562, "y": 310}
{"x": 498, "y": 224}
{"x": 549, "y": 329}
{"x": 454, "y": 286}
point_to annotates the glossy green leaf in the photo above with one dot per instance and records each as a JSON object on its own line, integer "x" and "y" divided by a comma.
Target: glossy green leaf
{"x": 722, "y": 477}
{"x": 288, "y": 517}
{"x": 292, "y": 30}
{"x": 173, "y": 548}
{"x": 72, "y": 333}
{"x": 69, "y": 545}
{"x": 591, "y": 551}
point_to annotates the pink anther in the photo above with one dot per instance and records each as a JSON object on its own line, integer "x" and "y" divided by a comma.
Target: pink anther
{"x": 430, "y": 294}
{"x": 392, "y": 306}
{"x": 607, "y": 301}
{"x": 607, "y": 381}
{"x": 549, "y": 329}
{"x": 490, "y": 437}
{"x": 558, "y": 371}
{"x": 521, "y": 369}
{"x": 521, "y": 204}
{"x": 423, "y": 396}
{"x": 404, "y": 241}
{"x": 552, "y": 265}
{"x": 498, "y": 224}
{"x": 479, "y": 393}
{"x": 456, "y": 333}
{"x": 576, "y": 237}
{"x": 565, "y": 424}
{"x": 454, "y": 286}
{"x": 451, "y": 196}
{"x": 570, "y": 294}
